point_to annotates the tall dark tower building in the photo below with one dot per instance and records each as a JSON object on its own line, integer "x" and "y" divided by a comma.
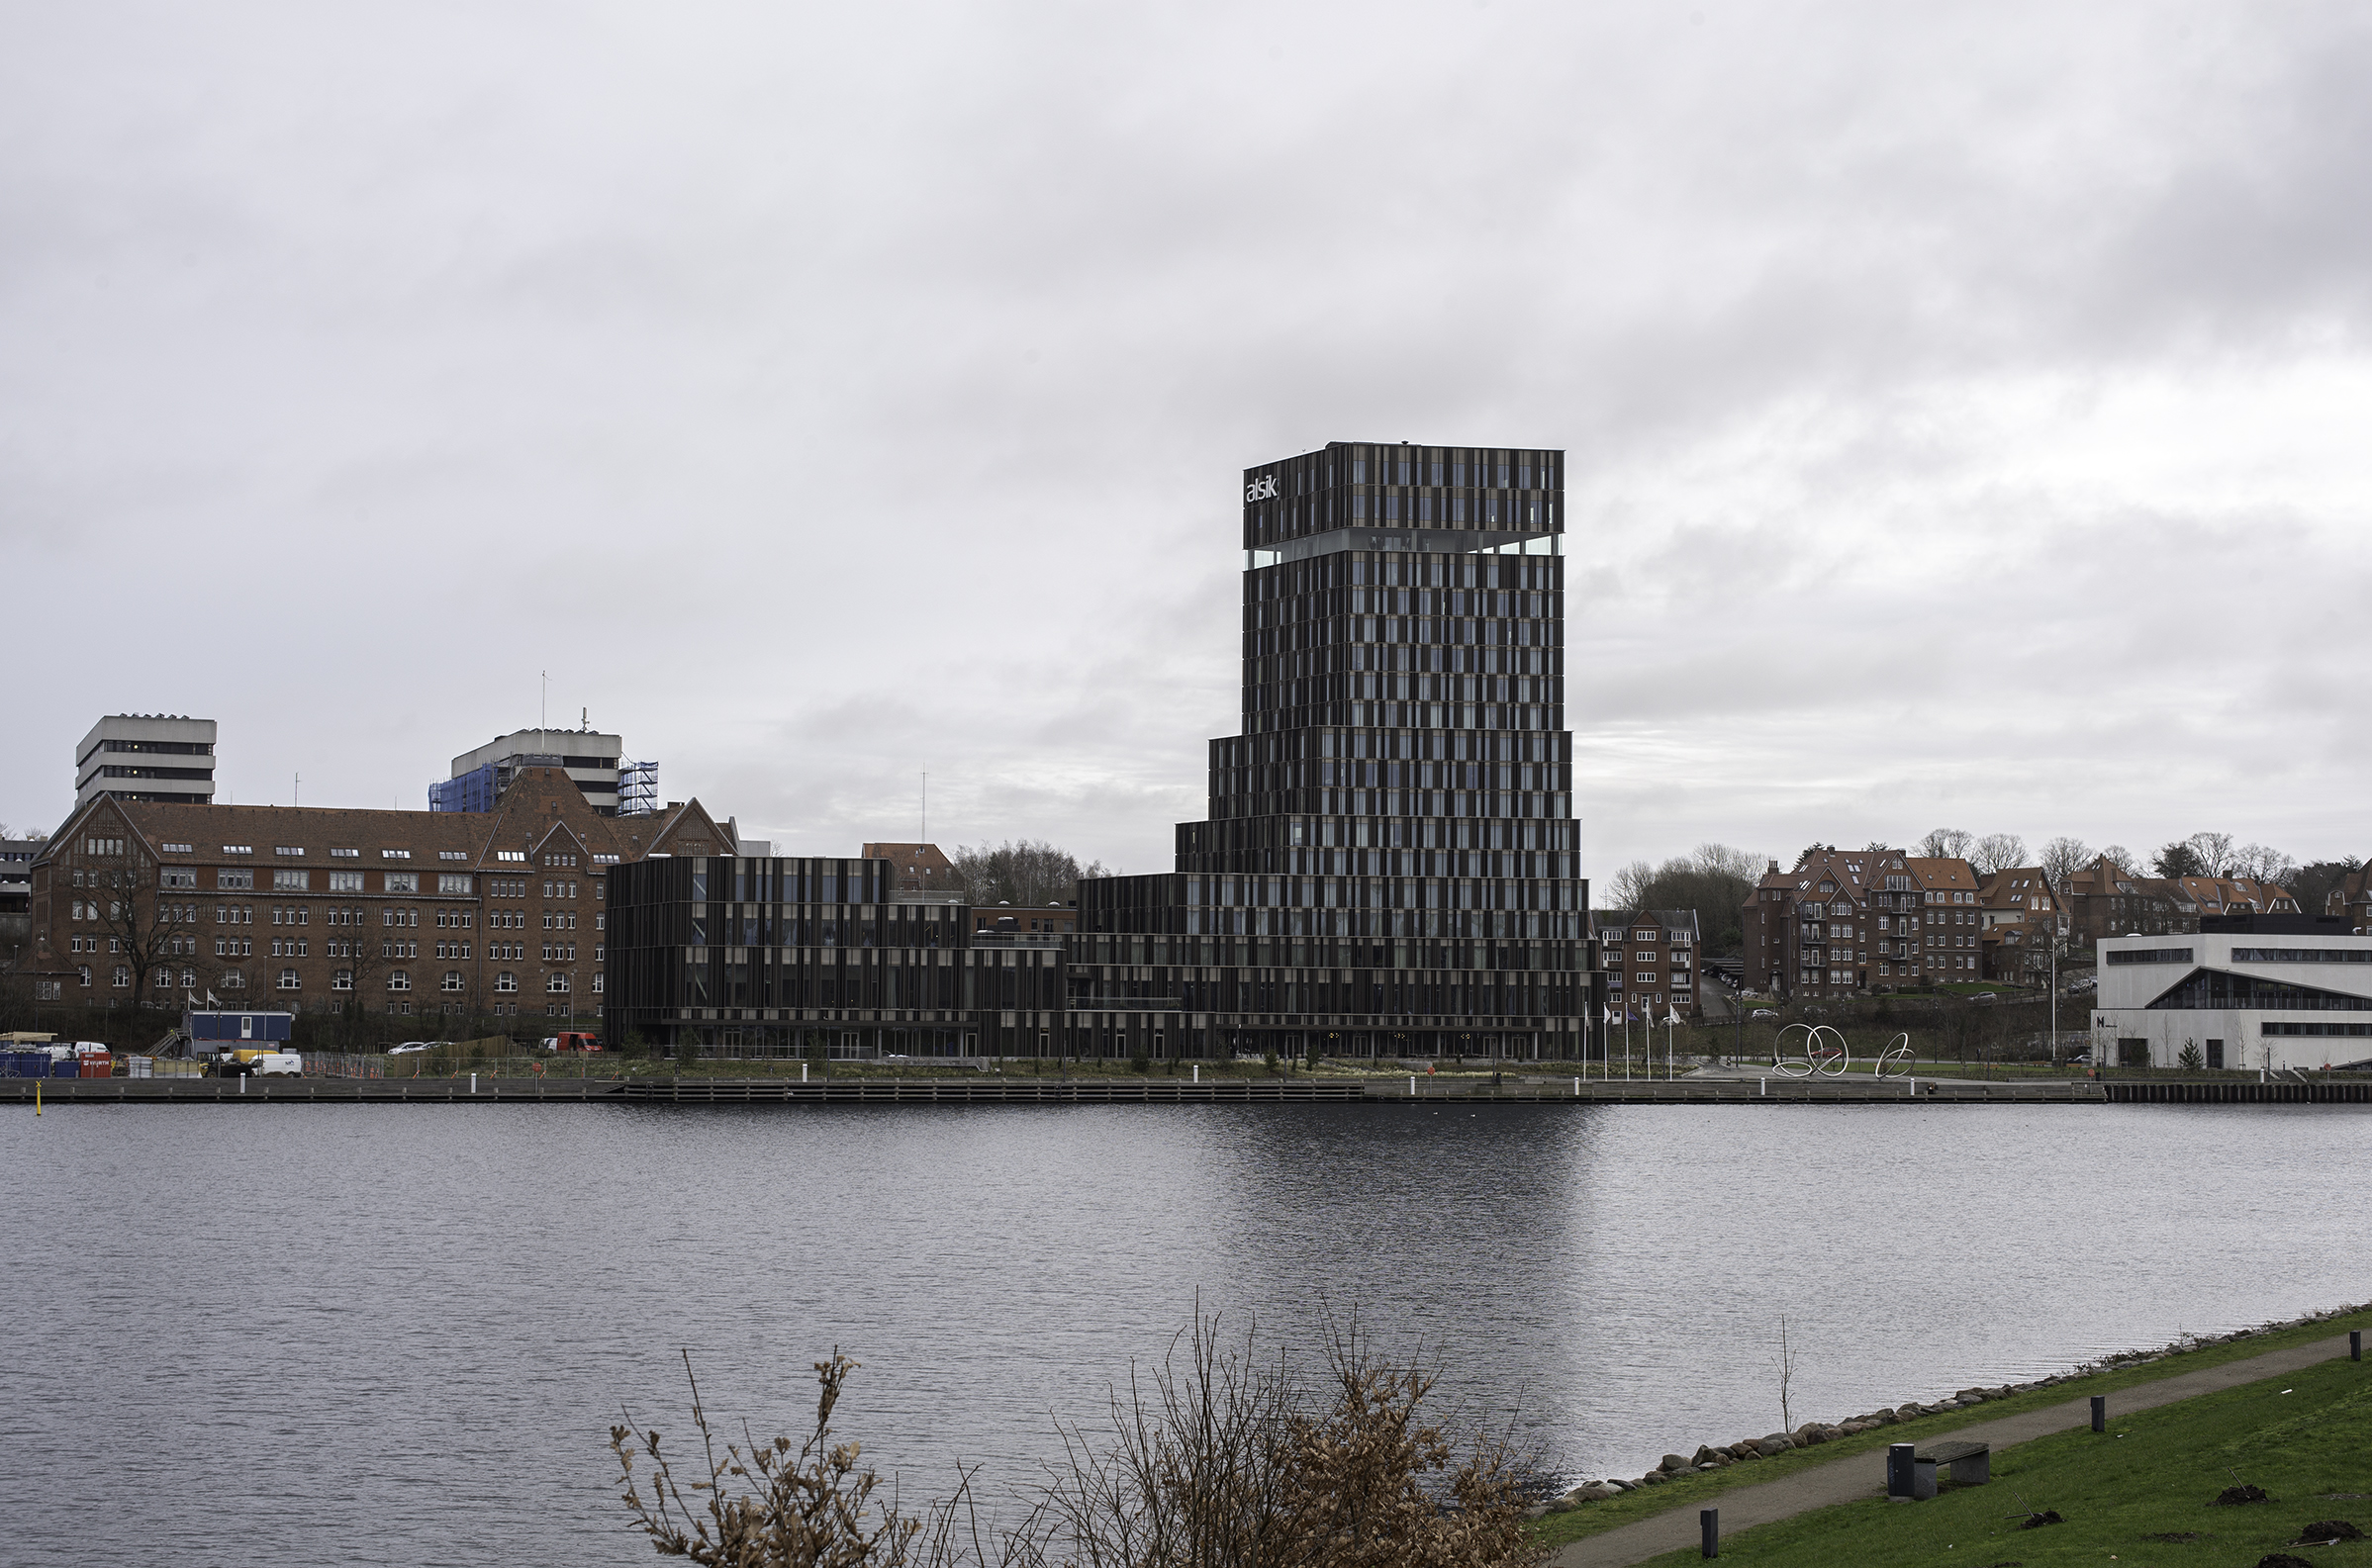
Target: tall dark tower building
{"x": 1391, "y": 865}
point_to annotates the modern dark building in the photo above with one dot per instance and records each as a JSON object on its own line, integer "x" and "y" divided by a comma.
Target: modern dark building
{"x": 772, "y": 957}
{"x": 1391, "y": 866}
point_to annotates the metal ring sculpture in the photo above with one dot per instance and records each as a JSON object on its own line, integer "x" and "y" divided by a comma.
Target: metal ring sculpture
{"x": 1824, "y": 1053}
{"x": 1895, "y": 1061}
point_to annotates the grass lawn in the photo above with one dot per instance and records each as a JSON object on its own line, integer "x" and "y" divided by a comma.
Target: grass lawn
{"x": 1704, "y": 1490}
{"x": 2140, "y": 1493}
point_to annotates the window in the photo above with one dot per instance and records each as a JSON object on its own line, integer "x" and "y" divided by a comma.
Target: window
{"x": 291, "y": 882}
{"x": 243, "y": 880}
{"x": 597, "y": 983}
{"x": 50, "y": 990}
{"x": 556, "y": 984}
{"x": 83, "y": 971}
{"x": 403, "y": 882}
{"x": 395, "y": 855}
{"x": 284, "y": 849}
{"x": 175, "y": 849}
{"x": 342, "y": 981}
{"x": 516, "y": 856}
{"x": 506, "y": 982}
{"x": 102, "y": 846}
{"x": 288, "y": 979}
{"x": 452, "y": 855}
{"x": 238, "y": 849}
{"x": 605, "y": 859}
{"x": 344, "y": 855}
{"x": 123, "y": 974}
{"x": 234, "y": 981}
{"x": 178, "y": 876}
{"x": 399, "y": 982}
{"x": 2152, "y": 956}
{"x": 453, "y": 981}
{"x": 345, "y": 882}
{"x": 452, "y": 886}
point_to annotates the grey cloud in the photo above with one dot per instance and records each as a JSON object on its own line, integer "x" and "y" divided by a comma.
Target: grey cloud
{"x": 822, "y": 397}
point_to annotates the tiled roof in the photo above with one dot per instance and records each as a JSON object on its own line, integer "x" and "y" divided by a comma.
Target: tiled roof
{"x": 538, "y": 801}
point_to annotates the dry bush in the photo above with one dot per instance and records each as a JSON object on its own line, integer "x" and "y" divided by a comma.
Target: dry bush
{"x": 1222, "y": 1458}
{"x": 811, "y": 1509}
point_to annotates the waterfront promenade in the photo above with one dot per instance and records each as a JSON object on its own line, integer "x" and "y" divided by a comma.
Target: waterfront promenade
{"x": 1511, "y": 1088}
{"x": 1863, "y": 1475}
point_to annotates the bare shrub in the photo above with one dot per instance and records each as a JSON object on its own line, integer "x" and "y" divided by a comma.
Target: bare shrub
{"x": 1219, "y": 1458}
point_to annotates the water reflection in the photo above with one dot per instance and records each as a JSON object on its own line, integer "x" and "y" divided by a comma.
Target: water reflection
{"x": 399, "y": 1334}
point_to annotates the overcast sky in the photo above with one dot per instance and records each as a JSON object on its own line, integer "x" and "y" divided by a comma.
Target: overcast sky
{"x": 1966, "y": 406}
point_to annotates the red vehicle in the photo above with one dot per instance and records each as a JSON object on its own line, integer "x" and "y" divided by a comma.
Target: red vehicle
{"x": 573, "y": 1040}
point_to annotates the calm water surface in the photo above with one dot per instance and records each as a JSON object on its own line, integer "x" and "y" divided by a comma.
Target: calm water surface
{"x": 399, "y": 1334}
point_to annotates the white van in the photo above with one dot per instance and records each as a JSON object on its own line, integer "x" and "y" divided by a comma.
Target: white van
{"x": 280, "y": 1064}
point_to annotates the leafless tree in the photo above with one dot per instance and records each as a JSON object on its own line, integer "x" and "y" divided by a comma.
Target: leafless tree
{"x": 150, "y": 929}
{"x": 1997, "y": 852}
{"x": 1020, "y": 872}
{"x": 1626, "y": 889}
{"x": 1947, "y": 844}
{"x": 2062, "y": 858}
{"x": 2264, "y": 864}
{"x": 2215, "y": 852}
{"x": 1714, "y": 880}
{"x": 2122, "y": 858}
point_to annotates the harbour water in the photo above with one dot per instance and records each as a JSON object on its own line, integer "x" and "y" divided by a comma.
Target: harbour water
{"x": 399, "y": 1334}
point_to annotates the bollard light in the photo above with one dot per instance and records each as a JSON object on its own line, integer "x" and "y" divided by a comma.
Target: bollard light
{"x": 1709, "y": 1531}
{"x": 2100, "y": 1412}
{"x": 2355, "y": 1344}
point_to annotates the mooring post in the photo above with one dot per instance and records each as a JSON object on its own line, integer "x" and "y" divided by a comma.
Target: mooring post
{"x": 1902, "y": 1480}
{"x": 2100, "y": 1412}
{"x": 1709, "y": 1531}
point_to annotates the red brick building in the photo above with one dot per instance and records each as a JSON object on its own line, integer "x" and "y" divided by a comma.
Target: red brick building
{"x": 311, "y": 908}
{"x": 1858, "y": 920}
{"x": 1650, "y": 961}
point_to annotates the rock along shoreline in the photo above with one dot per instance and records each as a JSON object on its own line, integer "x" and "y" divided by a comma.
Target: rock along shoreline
{"x": 1812, "y": 1433}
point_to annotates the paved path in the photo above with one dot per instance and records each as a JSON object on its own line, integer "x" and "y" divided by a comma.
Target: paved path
{"x": 1863, "y": 1475}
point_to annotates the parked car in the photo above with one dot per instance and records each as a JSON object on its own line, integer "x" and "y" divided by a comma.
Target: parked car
{"x": 1761, "y": 1013}
{"x": 2082, "y": 1059}
{"x": 1985, "y": 996}
{"x": 408, "y": 1048}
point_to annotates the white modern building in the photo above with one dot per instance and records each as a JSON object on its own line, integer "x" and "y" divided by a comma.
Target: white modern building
{"x": 480, "y": 777}
{"x": 2262, "y": 991}
{"x": 146, "y": 757}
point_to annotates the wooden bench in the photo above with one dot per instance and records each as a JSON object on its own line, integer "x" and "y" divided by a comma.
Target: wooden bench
{"x": 1971, "y": 1462}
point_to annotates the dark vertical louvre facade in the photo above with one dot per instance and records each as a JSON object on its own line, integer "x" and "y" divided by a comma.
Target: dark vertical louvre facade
{"x": 772, "y": 957}
{"x": 1389, "y": 866}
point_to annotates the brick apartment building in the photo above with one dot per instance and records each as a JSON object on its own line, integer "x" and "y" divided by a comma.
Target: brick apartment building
{"x": 2020, "y": 917}
{"x": 2351, "y": 900}
{"x": 2105, "y": 900}
{"x": 1649, "y": 959}
{"x": 309, "y": 908}
{"x": 1845, "y": 921}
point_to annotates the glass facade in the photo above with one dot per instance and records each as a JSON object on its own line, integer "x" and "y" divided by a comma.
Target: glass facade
{"x": 1390, "y": 864}
{"x": 773, "y": 956}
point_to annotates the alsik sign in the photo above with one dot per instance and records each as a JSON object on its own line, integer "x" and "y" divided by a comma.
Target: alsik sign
{"x": 1261, "y": 489}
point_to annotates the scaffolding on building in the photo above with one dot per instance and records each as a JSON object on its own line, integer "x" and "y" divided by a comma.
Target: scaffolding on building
{"x": 637, "y": 788}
